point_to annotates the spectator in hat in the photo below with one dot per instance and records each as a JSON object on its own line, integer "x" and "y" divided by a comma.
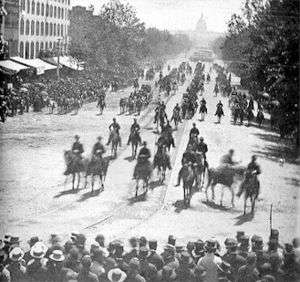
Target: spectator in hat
{"x": 133, "y": 274}
{"x": 169, "y": 258}
{"x": 98, "y": 261}
{"x": 152, "y": 274}
{"x": 265, "y": 269}
{"x": 171, "y": 240}
{"x": 110, "y": 263}
{"x": 133, "y": 253}
{"x": 36, "y": 267}
{"x": 276, "y": 270}
{"x": 79, "y": 241}
{"x": 184, "y": 272}
{"x": 56, "y": 272}
{"x": 239, "y": 235}
{"x": 233, "y": 258}
{"x": 85, "y": 275}
{"x": 268, "y": 278}
{"x": 16, "y": 269}
{"x": 101, "y": 240}
{"x": 55, "y": 244}
{"x": 210, "y": 261}
{"x": 248, "y": 272}
{"x": 68, "y": 246}
{"x": 291, "y": 273}
{"x": 144, "y": 264}
{"x": 243, "y": 249}
{"x": 154, "y": 258}
{"x": 143, "y": 241}
{"x": 72, "y": 260}
{"x": 116, "y": 275}
{"x": 4, "y": 273}
{"x": 198, "y": 252}
{"x": 200, "y": 273}
{"x": 224, "y": 272}
{"x": 27, "y": 257}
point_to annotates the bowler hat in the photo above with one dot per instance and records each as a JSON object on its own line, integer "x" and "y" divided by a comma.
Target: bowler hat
{"x": 171, "y": 240}
{"x": 57, "y": 255}
{"x": 33, "y": 240}
{"x": 16, "y": 254}
{"x": 116, "y": 275}
{"x": 38, "y": 250}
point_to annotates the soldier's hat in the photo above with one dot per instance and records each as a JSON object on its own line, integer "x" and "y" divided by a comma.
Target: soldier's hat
{"x": 245, "y": 240}
{"x": 76, "y": 136}
{"x": 230, "y": 242}
{"x": 199, "y": 244}
{"x": 171, "y": 240}
{"x": 254, "y": 238}
{"x": 152, "y": 244}
{"x": 274, "y": 234}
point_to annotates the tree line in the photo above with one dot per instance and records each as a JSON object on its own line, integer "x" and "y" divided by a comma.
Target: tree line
{"x": 262, "y": 45}
{"x": 116, "y": 41}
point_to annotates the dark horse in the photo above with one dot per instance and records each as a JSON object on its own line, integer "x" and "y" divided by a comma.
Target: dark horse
{"x": 187, "y": 174}
{"x": 250, "y": 186}
{"x": 77, "y": 165}
{"x": 142, "y": 171}
{"x": 135, "y": 140}
{"x": 223, "y": 175}
{"x": 162, "y": 162}
{"x": 199, "y": 169}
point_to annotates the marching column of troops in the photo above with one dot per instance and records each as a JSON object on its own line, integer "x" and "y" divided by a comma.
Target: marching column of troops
{"x": 243, "y": 259}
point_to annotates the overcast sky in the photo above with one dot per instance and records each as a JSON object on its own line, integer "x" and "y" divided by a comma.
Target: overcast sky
{"x": 178, "y": 14}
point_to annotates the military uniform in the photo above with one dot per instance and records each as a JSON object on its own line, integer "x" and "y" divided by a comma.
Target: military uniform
{"x": 115, "y": 126}
{"x": 77, "y": 148}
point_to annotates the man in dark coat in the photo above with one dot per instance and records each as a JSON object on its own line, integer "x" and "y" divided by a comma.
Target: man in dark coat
{"x": 154, "y": 258}
{"x": 194, "y": 130}
{"x": 98, "y": 148}
{"x": 77, "y": 147}
{"x": 114, "y": 126}
{"x": 135, "y": 127}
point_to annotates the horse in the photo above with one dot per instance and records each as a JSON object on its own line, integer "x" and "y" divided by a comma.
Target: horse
{"x": 98, "y": 166}
{"x": 135, "y": 139}
{"x": 223, "y": 175}
{"x": 115, "y": 140}
{"x": 162, "y": 162}
{"x": 75, "y": 165}
{"x": 199, "y": 169}
{"x": 187, "y": 174}
{"x": 142, "y": 171}
{"x": 250, "y": 186}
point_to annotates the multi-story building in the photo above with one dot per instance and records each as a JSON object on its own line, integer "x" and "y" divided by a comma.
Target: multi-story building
{"x": 37, "y": 25}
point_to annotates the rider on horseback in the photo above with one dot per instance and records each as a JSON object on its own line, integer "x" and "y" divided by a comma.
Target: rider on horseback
{"x": 227, "y": 159}
{"x": 77, "y": 147}
{"x": 202, "y": 147}
{"x": 98, "y": 149}
{"x": 167, "y": 133}
{"x": 114, "y": 126}
{"x": 194, "y": 130}
{"x": 143, "y": 159}
{"x": 135, "y": 128}
{"x": 253, "y": 169}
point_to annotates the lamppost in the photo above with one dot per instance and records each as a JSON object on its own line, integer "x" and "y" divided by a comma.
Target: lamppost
{"x": 58, "y": 55}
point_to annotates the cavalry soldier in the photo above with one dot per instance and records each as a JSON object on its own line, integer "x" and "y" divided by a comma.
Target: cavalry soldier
{"x": 227, "y": 159}
{"x": 77, "y": 147}
{"x": 135, "y": 127}
{"x": 98, "y": 148}
{"x": 253, "y": 169}
{"x": 144, "y": 152}
{"x": 219, "y": 112}
{"x": 202, "y": 147}
{"x": 194, "y": 130}
{"x": 114, "y": 126}
{"x": 188, "y": 156}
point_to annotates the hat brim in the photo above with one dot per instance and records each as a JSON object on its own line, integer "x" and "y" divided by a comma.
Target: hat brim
{"x": 111, "y": 272}
{"x": 55, "y": 259}
{"x": 37, "y": 256}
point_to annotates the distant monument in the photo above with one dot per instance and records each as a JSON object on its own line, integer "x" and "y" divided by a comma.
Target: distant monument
{"x": 201, "y": 26}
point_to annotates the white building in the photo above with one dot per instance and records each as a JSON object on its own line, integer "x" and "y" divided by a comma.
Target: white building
{"x": 43, "y": 24}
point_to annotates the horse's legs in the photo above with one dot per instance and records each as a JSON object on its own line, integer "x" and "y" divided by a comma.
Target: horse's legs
{"x": 136, "y": 187}
{"x": 232, "y": 196}
{"x": 253, "y": 199}
{"x": 78, "y": 180}
{"x": 93, "y": 182}
{"x": 222, "y": 196}
{"x": 213, "y": 191}
{"x": 245, "y": 203}
{"x": 73, "y": 180}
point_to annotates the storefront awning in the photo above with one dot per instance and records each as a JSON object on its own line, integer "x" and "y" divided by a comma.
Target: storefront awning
{"x": 12, "y": 66}
{"x": 69, "y": 62}
{"x": 38, "y": 64}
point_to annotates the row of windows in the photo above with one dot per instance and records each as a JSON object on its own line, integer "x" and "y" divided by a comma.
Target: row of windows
{"x": 41, "y": 9}
{"x": 32, "y": 50}
{"x": 40, "y": 28}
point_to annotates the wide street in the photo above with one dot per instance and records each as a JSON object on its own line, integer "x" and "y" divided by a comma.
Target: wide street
{"x": 38, "y": 199}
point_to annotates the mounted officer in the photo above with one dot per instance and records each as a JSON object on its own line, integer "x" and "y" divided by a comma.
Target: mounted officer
{"x": 114, "y": 126}
{"x": 77, "y": 147}
{"x": 194, "y": 130}
{"x": 227, "y": 158}
{"x": 98, "y": 149}
{"x": 202, "y": 147}
{"x": 135, "y": 128}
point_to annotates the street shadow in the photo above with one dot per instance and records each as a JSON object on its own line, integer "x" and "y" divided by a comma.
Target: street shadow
{"x": 149, "y": 128}
{"x": 129, "y": 159}
{"x": 292, "y": 181}
{"x": 89, "y": 195}
{"x": 241, "y": 219}
{"x": 154, "y": 184}
{"x": 216, "y": 206}
{"x": 98, "y": 114}
{"x": 179, "y": 206}
{"x": 67, "y": 192}
{"x": 278, "y": 149}
{"x": 140, "y": 198}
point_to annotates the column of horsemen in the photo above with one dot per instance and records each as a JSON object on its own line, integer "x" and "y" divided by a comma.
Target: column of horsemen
{"x": 194, "y": 161}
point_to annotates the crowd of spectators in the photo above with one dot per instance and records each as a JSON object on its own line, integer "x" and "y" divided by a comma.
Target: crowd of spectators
{"x": 243, "y": 259}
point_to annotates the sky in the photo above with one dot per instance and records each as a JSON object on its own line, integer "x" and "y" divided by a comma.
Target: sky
{"x": 178, "y": 14}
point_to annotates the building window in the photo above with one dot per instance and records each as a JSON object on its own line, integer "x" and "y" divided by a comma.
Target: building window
{"x": 54, "y": 45}
{"x": 42, "y": 9}
{"x": 50, "y": 45}
{"x": 47, "y": 29}
{"x": 27, "y": 27}
{"x": 55, "y": 11}
{"x": 58, "y": 12}
{"x": 38, "y": 7}
{"x": 62, "y": 13}
{"x": 47, "y": 10}
{"x": 46, "y": 46}
{"x": 51, "y": 29}
{"x": 67, "y": 14}
{"x": 27, "y": 50}
{"x": 37, "y": 49}
{"x": 37, "y": 28}
{"x": 51, "y": 11}
{"x": 62, "y": 30}
{"x": 58, "y": 29}
{"x": 42, "y": 46}
{"x": 32, "y": 7}
{"x": 32, "y": 50}
{"x": 21, "y": 53}
{"x": 22, "y": 27}
{"x": 23, "y": 8}
{"x": 54, "y": 29}
{"x": 42, "y": 28}
{"x": 32, "y": 27}
{"x": 28, "y": 6}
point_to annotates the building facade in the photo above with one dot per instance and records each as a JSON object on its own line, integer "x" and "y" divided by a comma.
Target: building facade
{"x": 38, "y": 25}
